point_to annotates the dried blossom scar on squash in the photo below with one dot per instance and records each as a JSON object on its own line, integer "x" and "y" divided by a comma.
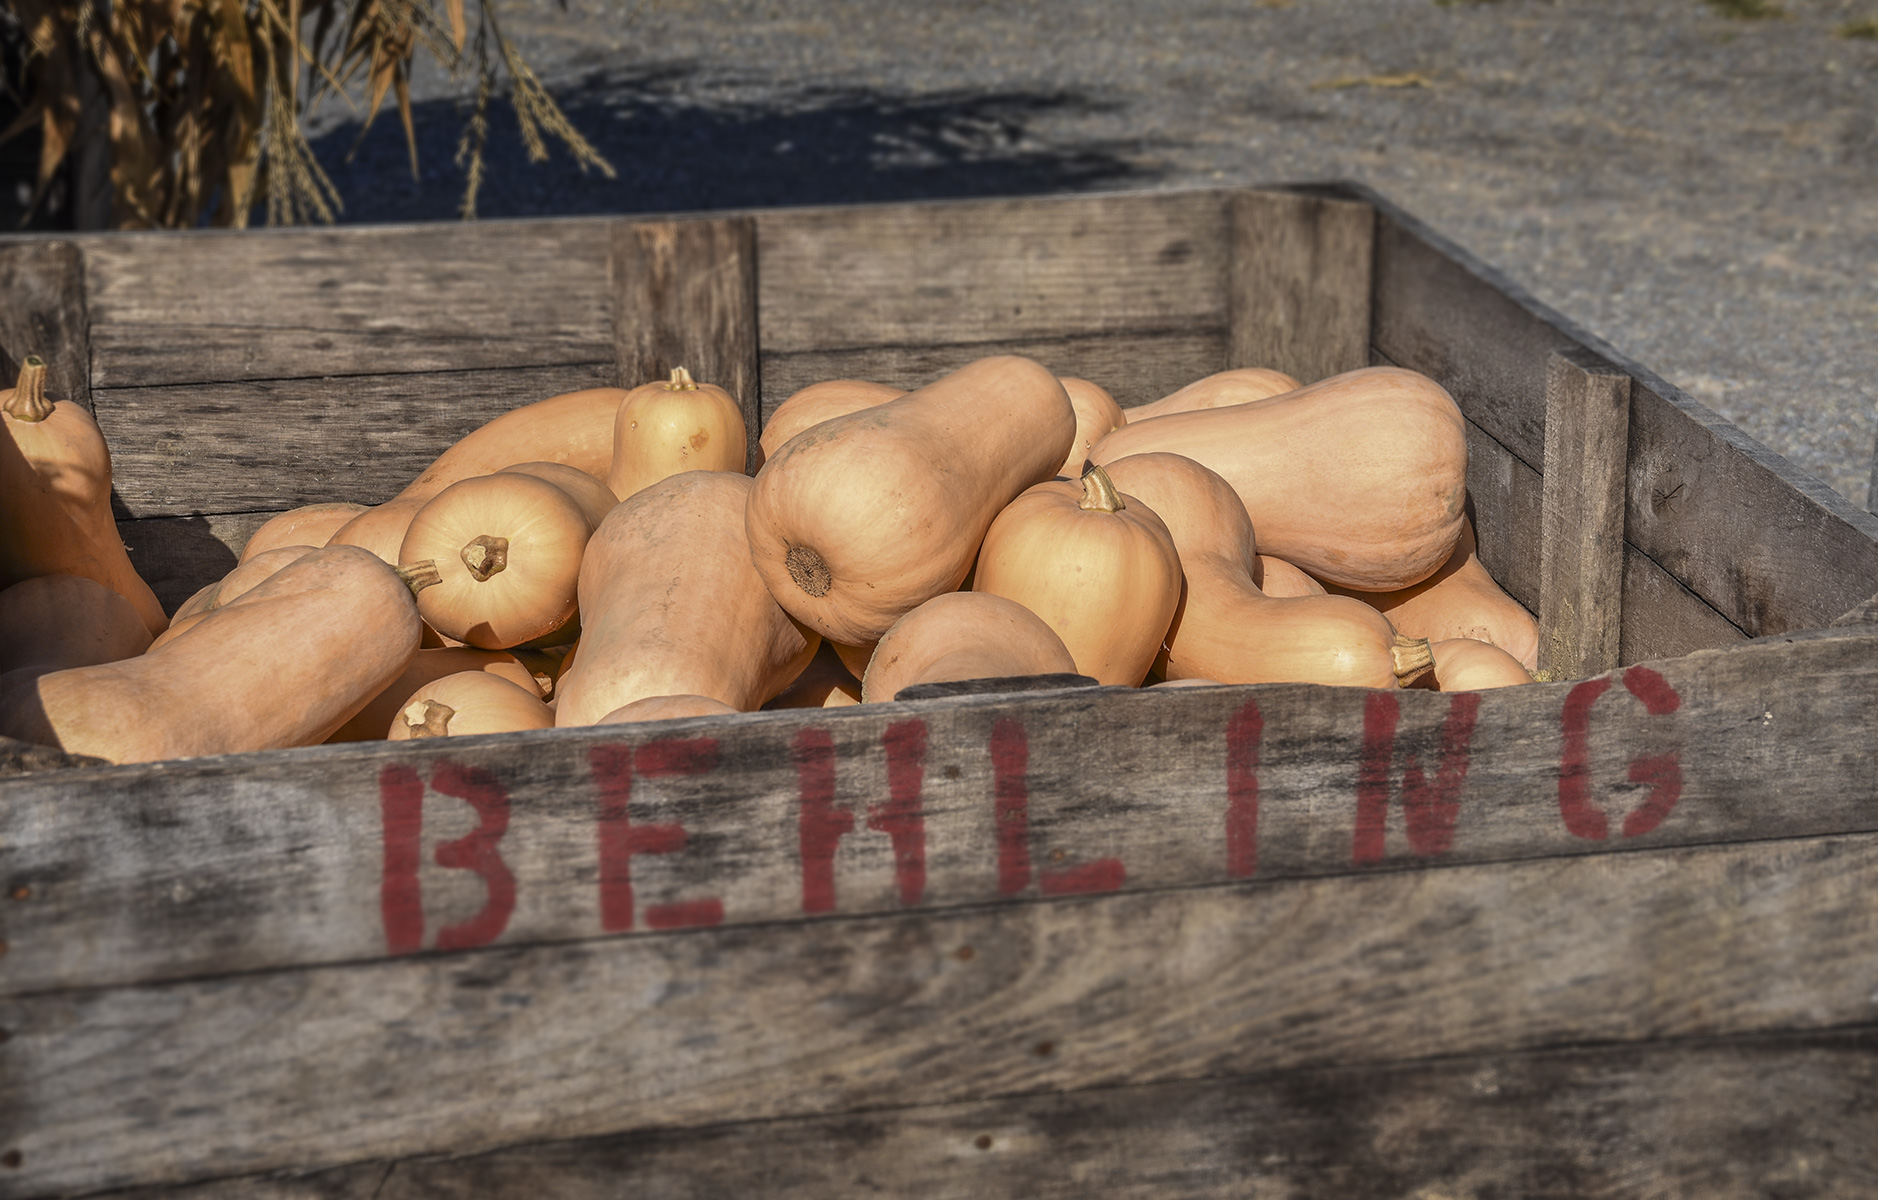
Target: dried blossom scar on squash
{"x": 860, "y": 519}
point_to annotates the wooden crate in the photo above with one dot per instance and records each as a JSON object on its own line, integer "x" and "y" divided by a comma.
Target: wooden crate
{"x": 1606, "y": 936}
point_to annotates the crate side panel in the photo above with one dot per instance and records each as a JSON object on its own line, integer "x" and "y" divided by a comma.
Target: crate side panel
{"x": 991, "y": 271}
{"x": 1662, "y": 618}
{"x": 177, "y": 556}
{"x": 302, "y": 303}
{"x": 469, "y": 1052}
{"x": 1507, "y": 497}
{"x": 331, "y": 854}
{"x": 43, "y": 312}
{"x": 278, "y": 444}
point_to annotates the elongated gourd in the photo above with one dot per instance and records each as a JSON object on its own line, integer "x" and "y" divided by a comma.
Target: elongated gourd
{"x": 1461, "y": 600}
{"x": 54, "y": 622}
{"x": 1276, "y": 577}
{"x": 1097, "y": 565}
{"x": 963, "y": 635}
{"x": 308, "y": 525}
{"x": 55, "y": 496}
{"x": 861, "y": 519}
{"x": 1242, "y": 385}
{"x": 1097, "y": 416}
{"x": 672, "y": 426}
{"x": 670, "y": 605}
{"x": 427, "y": 666}
{"x": 1359, "y": 479}
{"x": 1226, "y": 629}
{"x": 1466, "y": 665}
{"x": 285, "y": 665}
{"x": 575, "y": 428}
{"x": 595, "y": 498}
{"x": 820, "y": 402}
{"x": 231, "y": 587}
{"x": 467, "y": 703}
{"x": 666, "y": 708}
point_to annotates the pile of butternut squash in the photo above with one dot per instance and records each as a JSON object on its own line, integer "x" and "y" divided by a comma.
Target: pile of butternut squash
{"x": 600, "y": 557}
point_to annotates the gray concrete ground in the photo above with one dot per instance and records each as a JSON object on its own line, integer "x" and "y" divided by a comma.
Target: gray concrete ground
{"x": 1699, "y": 190}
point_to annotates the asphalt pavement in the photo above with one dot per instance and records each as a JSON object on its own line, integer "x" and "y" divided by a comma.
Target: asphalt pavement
{"x": 1698, "y": 188}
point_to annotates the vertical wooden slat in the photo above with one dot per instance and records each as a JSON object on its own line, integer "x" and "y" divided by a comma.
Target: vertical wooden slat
{"x": 1298, "y": 284}
{"x": 684, "y": 295}
{"x": 1581, "y": 552}
{"x": 42, "y": 311}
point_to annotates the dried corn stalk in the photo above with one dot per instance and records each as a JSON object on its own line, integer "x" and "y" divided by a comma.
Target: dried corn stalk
{"x": 204, "y": 97}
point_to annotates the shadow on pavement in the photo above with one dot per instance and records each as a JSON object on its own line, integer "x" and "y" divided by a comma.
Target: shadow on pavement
{"x": 674, "y": 153}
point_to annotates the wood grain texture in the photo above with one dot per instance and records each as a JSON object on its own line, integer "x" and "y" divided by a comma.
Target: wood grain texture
{"x": 214, "y": 306}
{"x": 179, "y": 555}
{"x": 43, "y": 312}
{"x": 1662, "y": 618}
{"x": 17, "y": 758}
{"x": 1005, "y": 686}
{"x": 1581, "y": 573}
{"x": 469, "y": 1052}
{"x": 1134, "y": 368}
{"x": 1299, "y": 284}
{"x": 341, "y": 853}
{"x": 685, "y": 295}
{"x": 1508, "y": 506}
{"x": 1863, "y": 613}
{"x": 278, "y": 444}
{"x": 1724, "y": 1119}
{"x": 934, "y": 274}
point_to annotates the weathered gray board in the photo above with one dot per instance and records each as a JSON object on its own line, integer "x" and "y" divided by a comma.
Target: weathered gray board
{"x": 1722, "y": 1119}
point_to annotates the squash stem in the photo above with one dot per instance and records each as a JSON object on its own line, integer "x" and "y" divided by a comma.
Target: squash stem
{"x": 1414, "y": 658}
{"x": 428, "y": 718}
{"x": 486, "y": 557}
{"x": 28, "y": 401}
{"x": 681, "y": 381}
{"x": 419, "y": 575}
{"x": 1098, "y": 492}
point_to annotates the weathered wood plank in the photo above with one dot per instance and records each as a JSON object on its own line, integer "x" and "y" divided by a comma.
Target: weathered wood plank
{"x": 1723, "y": 1119}
{"x": 1135, "y": 368}
{"x": 991, "y": 270}
{"x": 330, "y": 854}
{"x": 1298, "y": 291}
{"x": 278, "y": 444}
{"x": 1662, "y": 618}
{"x": 178, "y": 555}
{"x": 1587, "y": 435}
{"x": 391, "y": 299}
{"x": 1508, "y": 502}
{"x": 1863, "y": 613}
{"x": 43, "y": 312}
{"x": 469, "y": 1052}
{"x": 17, "y": 758}
{"x": 685, "y": 295}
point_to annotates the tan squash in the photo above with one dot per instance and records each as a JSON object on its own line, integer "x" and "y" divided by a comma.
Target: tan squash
{"x": 55, "y": 496}
{"x": 506, "y": 549}
{"x": 1226, "y": 629}
{"x": 856, "y": 658}
{"x": 825, "y": 683}
{"x": 672, "y": 426}
{"x": 286, "y": 664}
{"x": 1466, "y": 665}
{"x": 546, "y": 663}
{"x": 1097, "y": 565}
{"x": 1461, "y": 600}
{"x": 820, "y": 402}
{"x": 55, "y": 622}
{"x": 594, "y": 497}
{"x": 198, "y": 602}
{"x": 964, "y": 635}
{"x": 666, "y": 708}
{"x": 229, "y": 588}
{"x": 308, "y": 525}
{"x": 575, "y": 428}
{"x": 671, "y": 605}
{"x": 1358, "y": 479}
{"x": 1097, "y": 416}
{"x": 1276, "y": 577}
{"x": 469, "y": 703}
{"x": 863, "y": 518}
{"x": 427, "y": 666}
{"x": 1181, "y": 683}
{"x": 1242, "y": 385}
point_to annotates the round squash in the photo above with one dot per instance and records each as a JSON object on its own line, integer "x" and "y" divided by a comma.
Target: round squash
{"x": 308, "y": 525}
{"x": 863, "y": 518}
{"x": 820, "y": 402}
{"x": 1359, "y": 479}
{"x": 1466, "y": 665}
{"x": 666, "y": 708}
{"x": 1242, "y": 385}
{"x": 1097, "y": 416}
{"x": 672, "y": 426}
{"x": 595, "y": 498}
{"x": 467, "y": 703}
{"x": 964, "y": 635}
{"x": 1226, "y": 629}
{"x": 1098, "y": 566}
{"x": 670, "y": 605}
{"x": 427, "y": 666}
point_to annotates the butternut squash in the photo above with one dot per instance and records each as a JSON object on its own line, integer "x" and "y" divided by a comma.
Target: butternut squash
{"x": 1358, "y": 479}
{"x": 825, "y": 683}
{"x": 1225, "y": 628}
{"x": 1241, "y": 385}
{"x": 229, "y": 588}
{"x": 1180, "y": 683}
{"x": 861, "y": 519}
{"x": 1097, "y": 416}
{"x": 286, "y": 664}
{"x": 1276, "y": 577}
{"x": 596, "y": 500}
{"x": 575, "y": 428}
{"x": 856, "y": 658}
{"x": 1466, "y": 665}
{"x": 427, "y": 666}
{"x": 55, "y": 496}
{"x": 820, "y": 402}
{"x": 666, "y": 708}
{"x": 670, "y": 605}
{"x": 54, "y": 622}
{"x": 467, "y": 703}
{"x": 1461, "y": 600}
{"x": 671, "y": 426}
{"x": 1098, "y": 566}
{"x": 308, "y": 525}
{"x": 963, "y": 635}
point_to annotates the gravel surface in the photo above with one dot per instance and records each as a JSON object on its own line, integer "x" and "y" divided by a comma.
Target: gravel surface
{"x": 1699, "y": 190}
